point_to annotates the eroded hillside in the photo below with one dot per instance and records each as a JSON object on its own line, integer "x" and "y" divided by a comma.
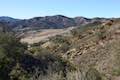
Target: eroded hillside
{"x": 91, "y": 46}
{"x": 88, "y": 52}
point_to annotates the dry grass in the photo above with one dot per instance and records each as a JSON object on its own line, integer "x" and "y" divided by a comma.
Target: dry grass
{"x": 36, "y": 37}
{"x": 88, "y": 74}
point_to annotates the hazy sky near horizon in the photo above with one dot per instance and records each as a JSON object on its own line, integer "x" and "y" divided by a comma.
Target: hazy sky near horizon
{"x": 87, "y": 8}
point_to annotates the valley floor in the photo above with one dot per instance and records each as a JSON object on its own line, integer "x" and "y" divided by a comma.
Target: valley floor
{"x": 35, "y": 37}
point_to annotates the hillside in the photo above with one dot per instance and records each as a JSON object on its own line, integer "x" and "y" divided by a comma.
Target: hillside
{"x": 85, "y": 52}
{"x": 4, "y": 27}
{"x": 47, "y": 22}
{"x": 91, "y": 46}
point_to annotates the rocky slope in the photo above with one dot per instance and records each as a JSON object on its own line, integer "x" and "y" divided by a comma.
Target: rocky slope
{"x": 90, "y": 46}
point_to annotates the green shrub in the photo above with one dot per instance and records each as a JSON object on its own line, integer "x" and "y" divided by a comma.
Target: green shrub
{"x": 10, "y": 52}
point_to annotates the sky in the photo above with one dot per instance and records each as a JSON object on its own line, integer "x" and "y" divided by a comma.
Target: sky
{"x": 25, "y": 9}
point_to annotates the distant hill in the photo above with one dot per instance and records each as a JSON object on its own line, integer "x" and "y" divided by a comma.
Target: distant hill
{"x": 47, "y": 22}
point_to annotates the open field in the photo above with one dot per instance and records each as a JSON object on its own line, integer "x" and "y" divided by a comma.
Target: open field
{"x": 34, "y": 37}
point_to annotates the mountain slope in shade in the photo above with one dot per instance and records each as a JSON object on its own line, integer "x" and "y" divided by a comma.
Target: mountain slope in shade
{"x": 4, "y": 27}
{"x": 7, "y": 19}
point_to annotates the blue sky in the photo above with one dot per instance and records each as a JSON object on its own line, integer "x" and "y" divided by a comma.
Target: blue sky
{"x": 32, "y": 8}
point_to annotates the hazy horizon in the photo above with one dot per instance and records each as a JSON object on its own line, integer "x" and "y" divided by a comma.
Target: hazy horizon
{"x": 25, "y": 9}
{"x": 61, "y": 15}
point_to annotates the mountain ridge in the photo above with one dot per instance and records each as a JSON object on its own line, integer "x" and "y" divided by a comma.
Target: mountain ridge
{"x": 48, "y": 22}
